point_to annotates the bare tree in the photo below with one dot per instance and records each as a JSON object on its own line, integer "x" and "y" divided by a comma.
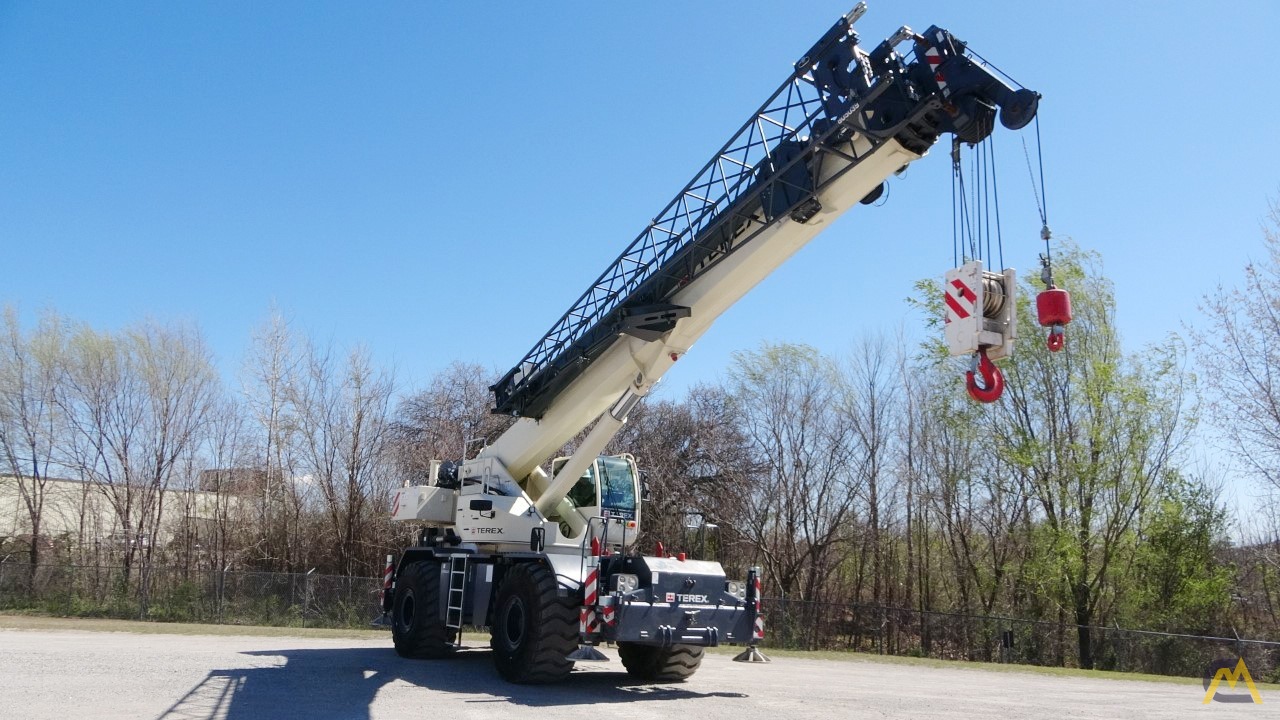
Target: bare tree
{"x": 136, "y": 404}
{"x": 266, "y": 378}
{"x": 29, "y": 418}
{"x": 217, "y": 498}
{"x": 450, "y": 419}
{"x": 870, "y": 404}
{"x": 343, "y": 429}
{"x": 692, "y": 455}
{"x": 1241, "y": 343}
{"x": 788, "y": 398}
{"x": 968, "y": 494}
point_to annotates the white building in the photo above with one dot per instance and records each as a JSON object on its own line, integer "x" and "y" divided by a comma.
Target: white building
{"x": 83, "y": 514}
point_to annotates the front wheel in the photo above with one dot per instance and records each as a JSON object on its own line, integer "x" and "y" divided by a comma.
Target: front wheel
{"x": 417, "y": 627}
{"x": 658, "y": 664}
{"x": 534, "y": 629}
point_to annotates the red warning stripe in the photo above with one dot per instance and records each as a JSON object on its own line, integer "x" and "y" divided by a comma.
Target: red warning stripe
{"x": 964, "y": 290}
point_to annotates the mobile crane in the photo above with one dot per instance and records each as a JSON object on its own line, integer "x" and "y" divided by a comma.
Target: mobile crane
{"x": 545, "y": 556}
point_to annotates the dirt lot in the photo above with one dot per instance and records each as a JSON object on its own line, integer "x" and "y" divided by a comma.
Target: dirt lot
{"x": 68, "y": 668}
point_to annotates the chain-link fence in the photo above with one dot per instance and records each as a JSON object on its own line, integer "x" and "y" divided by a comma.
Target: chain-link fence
{"x": 188, "y": 595}
{"x": 265, "y": 598}
{"x": 956, "y": 636}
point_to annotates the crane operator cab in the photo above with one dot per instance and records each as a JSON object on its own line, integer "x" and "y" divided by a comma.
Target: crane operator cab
{"x": 609, "y": 489}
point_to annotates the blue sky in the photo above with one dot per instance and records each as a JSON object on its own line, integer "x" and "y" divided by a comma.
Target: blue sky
{"x": 439, "y": 181}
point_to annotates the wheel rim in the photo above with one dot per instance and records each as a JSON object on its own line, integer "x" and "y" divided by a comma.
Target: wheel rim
{"x": 513, "y": 625}
{"x": 406, "y": 610}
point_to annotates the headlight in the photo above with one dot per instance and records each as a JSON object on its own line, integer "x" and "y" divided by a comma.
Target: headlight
{"x": 624, "y": 583}
{"x": 736, "y": 589}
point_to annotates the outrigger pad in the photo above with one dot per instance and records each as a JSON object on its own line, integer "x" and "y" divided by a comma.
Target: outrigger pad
{"x": 751, "y": 655}
{"x": 587, "y": 653}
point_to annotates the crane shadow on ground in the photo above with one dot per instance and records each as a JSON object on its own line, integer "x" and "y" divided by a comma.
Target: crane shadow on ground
{"x": 341, "y": 683}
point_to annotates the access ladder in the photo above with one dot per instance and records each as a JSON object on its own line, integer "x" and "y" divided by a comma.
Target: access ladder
{"x": 457, "y": 595}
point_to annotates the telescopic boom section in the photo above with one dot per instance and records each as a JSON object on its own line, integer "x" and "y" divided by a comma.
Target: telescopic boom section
{"x": 833, "y": 132}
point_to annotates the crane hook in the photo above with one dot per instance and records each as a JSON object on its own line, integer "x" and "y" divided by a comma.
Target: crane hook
{"x": 992, "y": 379}
{"x": 1057, "y": 338}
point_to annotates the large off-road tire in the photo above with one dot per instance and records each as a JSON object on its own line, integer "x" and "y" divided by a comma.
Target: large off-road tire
{"x": 534, "y": 629}
{"x": 659, "y": 664}
{"x": 417, "y": 626}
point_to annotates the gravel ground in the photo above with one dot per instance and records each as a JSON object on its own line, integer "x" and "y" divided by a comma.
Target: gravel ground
{"x": 73, "y": 673}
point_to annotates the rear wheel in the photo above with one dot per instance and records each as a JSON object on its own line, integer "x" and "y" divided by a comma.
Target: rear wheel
{"x": 534, "y": 629}
{"x": 659, "y": 664}
{"x": 417, "y": 628}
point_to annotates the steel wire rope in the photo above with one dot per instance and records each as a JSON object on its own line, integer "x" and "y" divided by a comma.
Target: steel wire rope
{"x": 995, "y": 191}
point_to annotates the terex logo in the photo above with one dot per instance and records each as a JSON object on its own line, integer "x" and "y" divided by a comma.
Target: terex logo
{"x": 488, "y": 531}
{"x": 673, "y": 597}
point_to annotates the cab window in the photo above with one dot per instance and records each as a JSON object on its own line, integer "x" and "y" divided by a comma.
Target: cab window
{"x": 583, "y": 493}
{"x": 617, "y": 486}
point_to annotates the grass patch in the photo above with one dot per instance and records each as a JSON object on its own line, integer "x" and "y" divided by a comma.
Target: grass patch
{"x": 78, "y": 624}
{"x": 36, "y": 622}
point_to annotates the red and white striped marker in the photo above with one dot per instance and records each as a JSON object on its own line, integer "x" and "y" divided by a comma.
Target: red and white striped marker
{"x": 386, "y": 581}
{"x": 757, "y": 632}
{"x": 934, "y": 58}
{"x": 961, "y": 300}
{"x": 587, "y": 620}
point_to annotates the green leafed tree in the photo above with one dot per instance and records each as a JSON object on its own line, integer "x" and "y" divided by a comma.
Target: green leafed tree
{"x": 1093, "y": 434}
{"x": 1178, "y": 581}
